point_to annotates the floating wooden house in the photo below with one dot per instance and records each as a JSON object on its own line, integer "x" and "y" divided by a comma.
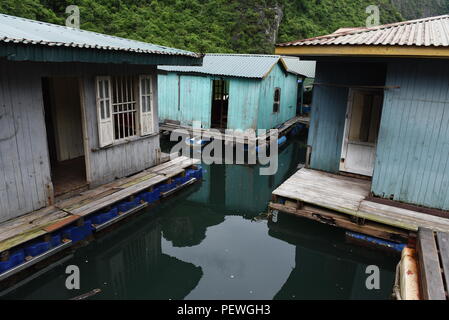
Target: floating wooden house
{"x": 378, "y": 145}
{"x": 230, "y": 91}
{"x": 77, "y": 109}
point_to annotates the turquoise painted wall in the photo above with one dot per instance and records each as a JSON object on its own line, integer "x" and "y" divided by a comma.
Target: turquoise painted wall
{"x": 289, "y": 93}
{"x": 329, "y": 108}
{"x": 243, "y": 103}
{"x": 250, "y": 100}
{"x": 193, "y": 104}
{"x": 412, "y": 163}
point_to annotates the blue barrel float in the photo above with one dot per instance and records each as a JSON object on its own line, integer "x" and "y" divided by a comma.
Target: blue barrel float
{"x": 102, "y": 217}
{"x": 78, "y": 233}
{"x": 125, "y": 206}
{"x": 34, "y": 249}
{"x": 150, "y": 196}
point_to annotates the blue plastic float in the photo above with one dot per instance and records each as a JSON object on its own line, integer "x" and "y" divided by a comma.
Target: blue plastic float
{"x": 378, "y": 242}
{"x": 78, "y": 233}
{"x": 103, "y": 217}
{"x": 150, "y": 196}
{"x": 128, "y": 205}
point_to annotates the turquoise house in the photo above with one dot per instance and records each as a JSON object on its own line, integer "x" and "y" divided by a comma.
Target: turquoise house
{"x": 381, "y": 109}
{"x": 230, "y": 91}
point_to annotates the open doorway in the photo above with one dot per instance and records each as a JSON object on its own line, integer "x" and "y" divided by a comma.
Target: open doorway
{"x": 220, "y": 102}
{"x": 64, "y": 134}
{"x": 361, "y": 131}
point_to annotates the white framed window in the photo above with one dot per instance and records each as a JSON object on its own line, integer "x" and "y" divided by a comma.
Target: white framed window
{"x": 146, "y": 105}
{"x": 124, "y": 107}
{"x": 105, "y": 127}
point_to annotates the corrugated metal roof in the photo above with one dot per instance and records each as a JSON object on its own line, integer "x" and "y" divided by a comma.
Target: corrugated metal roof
{"x": 300, "y": 67}
{"x": 433, "y": 31}
{"x": 232, "y": 65}
{"x": 25, "y": 31}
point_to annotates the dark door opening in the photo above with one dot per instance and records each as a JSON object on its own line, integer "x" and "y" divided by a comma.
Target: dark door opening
{"x": 220, "y": 102}
{"x": 64, "y": 134}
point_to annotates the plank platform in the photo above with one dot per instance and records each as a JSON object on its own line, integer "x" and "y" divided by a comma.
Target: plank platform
{"x": 433, "y": 253}
{"x": 41, "y": 222}
{"x": 235, "y": 138}
{"x": 347, "y": 196}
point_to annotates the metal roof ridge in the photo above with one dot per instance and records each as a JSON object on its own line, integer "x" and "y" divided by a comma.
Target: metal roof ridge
{"x": 181, "y": 51}
{"x": 365, "y": 29}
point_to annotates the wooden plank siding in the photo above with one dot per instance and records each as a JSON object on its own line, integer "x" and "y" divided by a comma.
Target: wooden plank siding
{"x": 185, "y": 98}
{"x": 413, "y": 149}
{"x": 329, "y": 108}
{"x": 288, "y": 83}
{"x": 25, "y": 170}
{"x": 25, "y": 179}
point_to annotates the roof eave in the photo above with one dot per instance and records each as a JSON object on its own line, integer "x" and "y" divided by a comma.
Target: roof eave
{"x": 364, "y": 51}
{"x": 45, "y": 53}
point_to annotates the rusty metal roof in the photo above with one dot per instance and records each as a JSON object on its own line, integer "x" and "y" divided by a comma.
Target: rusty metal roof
{"x": 427, "y": 32}
{"x": 16, "y": 30}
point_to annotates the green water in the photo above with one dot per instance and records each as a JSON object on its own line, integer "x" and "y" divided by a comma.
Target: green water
{"x": 204, "y": 243}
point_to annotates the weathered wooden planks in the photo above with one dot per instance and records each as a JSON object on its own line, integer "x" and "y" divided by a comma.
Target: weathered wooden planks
{"x": 347, "y": 195}
{"x": 336, "y": 219}
{"x": 432, "y": 287}
{"x": 334, "y": 192}
{"x": 443, "y": 245}
{"x": 33, "y": 225}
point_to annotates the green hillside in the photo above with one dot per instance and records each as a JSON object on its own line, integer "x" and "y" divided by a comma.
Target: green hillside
{"x": 246, "y": 26}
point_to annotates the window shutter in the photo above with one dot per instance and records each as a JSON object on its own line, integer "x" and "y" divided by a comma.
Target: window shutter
{"x": 146, "y": 105}
{"x": 104, "y": 112}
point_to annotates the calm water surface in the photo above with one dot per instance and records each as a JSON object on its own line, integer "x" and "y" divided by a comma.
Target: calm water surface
{"x": 207, "y": 242}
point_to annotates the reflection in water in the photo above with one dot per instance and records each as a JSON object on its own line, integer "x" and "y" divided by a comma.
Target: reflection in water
{"x": 204, "y": 244}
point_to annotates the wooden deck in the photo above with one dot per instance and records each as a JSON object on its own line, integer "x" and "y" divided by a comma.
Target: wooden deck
{"x": 39, "y": 223}
{"x": 235, "y": 138}
{"x": 341, "y": 201}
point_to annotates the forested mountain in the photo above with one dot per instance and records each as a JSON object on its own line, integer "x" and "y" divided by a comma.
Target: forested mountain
{"x": 246, "y": 26}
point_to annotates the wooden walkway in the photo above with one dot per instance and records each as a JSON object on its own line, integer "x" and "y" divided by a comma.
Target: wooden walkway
{"x": 341, "y": 201}
{"x": 235, "y": 138}
{"x": 42, "y": 222}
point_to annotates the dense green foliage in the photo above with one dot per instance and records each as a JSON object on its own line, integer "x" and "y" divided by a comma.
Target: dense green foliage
{"x": 208, "y": 25}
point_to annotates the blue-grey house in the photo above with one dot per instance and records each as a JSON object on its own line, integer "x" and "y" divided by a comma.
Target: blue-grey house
{"x": 381, "y": 109}
{"x": 77, "y": 109}
{"x": 230, "y": 91}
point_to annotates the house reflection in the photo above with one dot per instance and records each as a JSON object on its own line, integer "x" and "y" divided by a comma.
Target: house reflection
{"x": 328, "y": 267}
{"x": 125, "y": 263}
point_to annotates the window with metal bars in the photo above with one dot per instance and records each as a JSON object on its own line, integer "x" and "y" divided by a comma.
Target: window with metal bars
{"x": 124, "y": 107}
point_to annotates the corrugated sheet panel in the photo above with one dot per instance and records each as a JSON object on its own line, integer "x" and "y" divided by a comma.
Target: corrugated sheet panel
{"x": 231, "y": 65}
{"x": 412, "y": 162}
{"x": 24, "y": 31}
{"x": 300, "y": 67}
{"x": 427, "y": 32}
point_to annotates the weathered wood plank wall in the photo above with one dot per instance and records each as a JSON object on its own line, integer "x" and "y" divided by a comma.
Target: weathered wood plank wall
{"x": 329, "y": 107}
{"x": 413, "y": 148}
{"x": 25, "y": 178}
{"x": 25, "y": 182}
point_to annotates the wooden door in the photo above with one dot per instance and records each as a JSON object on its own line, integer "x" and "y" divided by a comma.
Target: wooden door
{"x": 361, "y": 131}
